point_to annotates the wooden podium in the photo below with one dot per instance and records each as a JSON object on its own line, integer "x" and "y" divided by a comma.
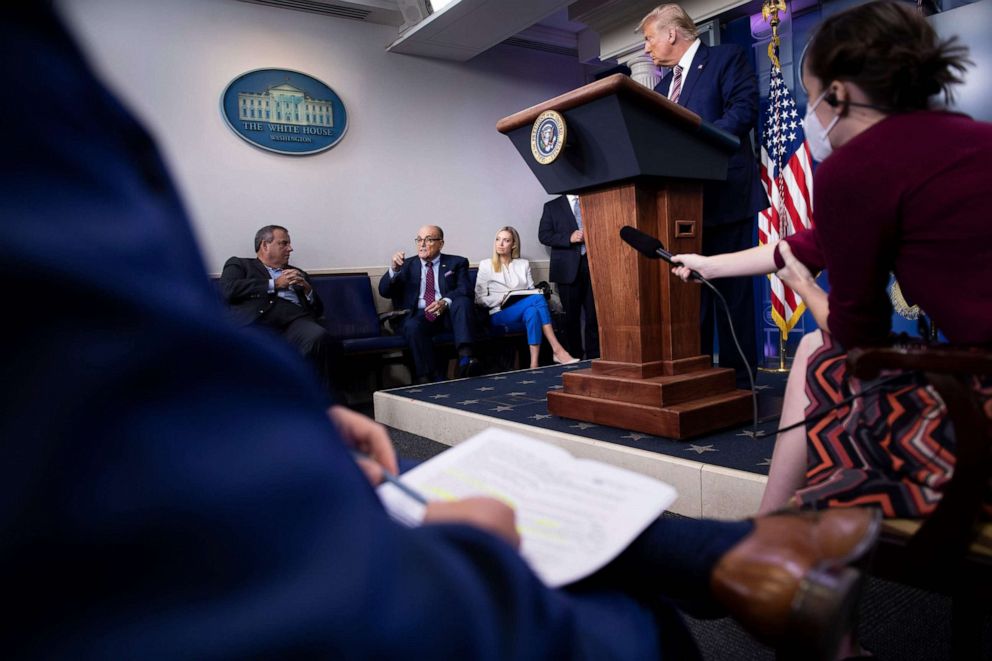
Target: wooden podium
{"x": 637, "y": 159}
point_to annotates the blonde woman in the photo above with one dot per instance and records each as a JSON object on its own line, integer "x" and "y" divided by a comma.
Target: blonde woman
{"x": 505, "y": 272}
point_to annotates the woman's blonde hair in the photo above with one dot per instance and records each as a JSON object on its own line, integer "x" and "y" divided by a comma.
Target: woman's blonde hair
{"x": 514, "y": 252}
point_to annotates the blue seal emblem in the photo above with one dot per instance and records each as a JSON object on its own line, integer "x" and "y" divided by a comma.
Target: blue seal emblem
{"x": 284, "y": 111}
{"x": 547, "y": 136}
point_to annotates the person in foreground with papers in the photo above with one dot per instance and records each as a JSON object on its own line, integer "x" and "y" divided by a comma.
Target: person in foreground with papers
{"x": 505, "y": 286}
{"x": 163, "y": 501}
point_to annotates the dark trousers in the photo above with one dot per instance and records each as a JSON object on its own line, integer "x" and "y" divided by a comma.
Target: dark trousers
{"x": 419, "y": 334}
{"x": 314, "y": 343}
{"x": 303, "y": 331}
{"x": 739, "y": 294}
{"x": 673, "y": 560}
{"x": 577, "y": 297}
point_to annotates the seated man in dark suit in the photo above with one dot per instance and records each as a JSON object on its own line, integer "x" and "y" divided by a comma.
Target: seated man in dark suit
{"x": 265, "y": 290}
{"x": 435, "y": 288}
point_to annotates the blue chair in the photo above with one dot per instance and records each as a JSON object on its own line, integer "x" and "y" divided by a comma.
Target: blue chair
{"x": 351, "y": 318}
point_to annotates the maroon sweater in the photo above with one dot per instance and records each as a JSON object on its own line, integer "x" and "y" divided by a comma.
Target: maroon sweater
{"x": 911, "y": 195}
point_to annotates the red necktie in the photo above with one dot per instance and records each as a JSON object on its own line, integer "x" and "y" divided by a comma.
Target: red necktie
{"x": 429, "y": 290}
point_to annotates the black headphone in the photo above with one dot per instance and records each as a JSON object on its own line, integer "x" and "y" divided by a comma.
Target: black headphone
{"x": 832, "y": 101}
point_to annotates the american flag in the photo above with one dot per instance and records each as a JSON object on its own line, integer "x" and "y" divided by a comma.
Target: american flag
{"x": 787, "y": 175}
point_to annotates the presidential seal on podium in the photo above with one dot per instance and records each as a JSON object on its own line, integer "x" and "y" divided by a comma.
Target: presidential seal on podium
{"x": 547, "y": 136}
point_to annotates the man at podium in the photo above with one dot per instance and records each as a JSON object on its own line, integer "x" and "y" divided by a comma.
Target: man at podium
{"x": 717, "y": 83}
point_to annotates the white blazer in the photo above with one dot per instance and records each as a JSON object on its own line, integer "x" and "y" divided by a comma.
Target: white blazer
{"x": 490, "y": 287}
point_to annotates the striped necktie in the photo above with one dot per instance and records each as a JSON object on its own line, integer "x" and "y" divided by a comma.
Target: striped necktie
{"x": 577, "y": 210}
{"x": 673, "y": 96}
{"x": 429, "y": 295}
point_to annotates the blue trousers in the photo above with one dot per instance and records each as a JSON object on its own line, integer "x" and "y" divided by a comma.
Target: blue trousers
{"x": 530, "y": 314}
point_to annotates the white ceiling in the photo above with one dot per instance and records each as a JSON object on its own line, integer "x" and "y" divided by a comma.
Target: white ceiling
{"x": 461, "y": 30}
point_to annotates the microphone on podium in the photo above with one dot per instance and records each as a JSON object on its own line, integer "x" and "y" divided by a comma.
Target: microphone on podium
{"x": 650, "y": 247}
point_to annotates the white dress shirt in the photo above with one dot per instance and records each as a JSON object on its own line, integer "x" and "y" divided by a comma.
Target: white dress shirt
{"x": 491, "y": 287}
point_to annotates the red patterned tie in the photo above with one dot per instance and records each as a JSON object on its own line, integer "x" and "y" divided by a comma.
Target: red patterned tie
{"x": 676, "y": 85}
{"x": 429, "y": 290}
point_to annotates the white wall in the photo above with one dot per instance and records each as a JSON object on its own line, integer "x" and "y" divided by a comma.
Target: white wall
{"x": 421, "y": 146}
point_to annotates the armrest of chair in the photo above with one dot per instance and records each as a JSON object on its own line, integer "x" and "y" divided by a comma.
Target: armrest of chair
{"x": 937, "y": 359}
{"x": 944, "y": 537}
{"x": 389, "y": 318}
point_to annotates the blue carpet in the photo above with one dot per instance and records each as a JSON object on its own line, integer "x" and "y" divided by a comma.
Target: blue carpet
{"x": 521, "y": 397}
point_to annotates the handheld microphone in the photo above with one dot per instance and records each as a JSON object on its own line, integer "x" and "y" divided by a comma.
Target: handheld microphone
{"x": 650, "y": 247}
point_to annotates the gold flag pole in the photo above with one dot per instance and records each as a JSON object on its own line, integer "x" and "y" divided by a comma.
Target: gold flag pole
{"x": 769, "y": 11}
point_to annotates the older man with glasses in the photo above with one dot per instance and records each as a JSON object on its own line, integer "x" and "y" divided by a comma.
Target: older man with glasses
{"x": 435, "y": 288}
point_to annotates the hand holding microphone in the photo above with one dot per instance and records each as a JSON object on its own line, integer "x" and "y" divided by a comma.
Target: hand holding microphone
{"x": 688, "y": 265}
{"x": 652, "y": 248}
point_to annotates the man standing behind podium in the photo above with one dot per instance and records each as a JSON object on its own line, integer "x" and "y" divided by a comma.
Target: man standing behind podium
{"x": 266, "y": 291}
{"x": 435, "y": 288}
{"x": 560, "y": 229}
{"x": 718, "y": 84}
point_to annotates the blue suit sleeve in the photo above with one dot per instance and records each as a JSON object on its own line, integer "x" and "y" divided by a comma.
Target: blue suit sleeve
{"x": 739, "y": 91}
{"x": 388, "y": 283}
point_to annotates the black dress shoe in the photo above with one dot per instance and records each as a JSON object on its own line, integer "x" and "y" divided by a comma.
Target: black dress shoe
{"x": 789, "y": 582}
{"x": 471, "y": 368}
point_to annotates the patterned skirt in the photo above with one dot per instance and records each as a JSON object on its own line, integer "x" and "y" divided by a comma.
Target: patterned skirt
{"x": 892, "y": 448}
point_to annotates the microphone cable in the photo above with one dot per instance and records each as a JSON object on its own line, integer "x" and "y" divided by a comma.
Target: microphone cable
{"x": 819, "y": 415}
{"x": 737, "y": 345}
{"x": 652, "y": 248}
{"x": 814, "y": 417}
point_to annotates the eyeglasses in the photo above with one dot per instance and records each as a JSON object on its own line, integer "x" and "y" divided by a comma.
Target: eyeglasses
{"x": 431, "y": 240}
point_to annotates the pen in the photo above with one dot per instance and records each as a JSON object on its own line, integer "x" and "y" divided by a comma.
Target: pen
{"x": 395, "y": 480}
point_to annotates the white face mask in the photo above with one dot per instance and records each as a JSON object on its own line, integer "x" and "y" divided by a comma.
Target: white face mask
{"x": 816, "y": 135}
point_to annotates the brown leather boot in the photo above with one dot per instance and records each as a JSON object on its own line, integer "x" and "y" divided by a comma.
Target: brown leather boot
{"x": 788, "y": 582}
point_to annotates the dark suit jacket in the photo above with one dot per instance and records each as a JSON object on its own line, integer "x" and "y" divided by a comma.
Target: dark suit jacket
{"x": 723, "y": 89}
{"x": 557, "y": 224}
{"x": 404, "y": 288}
{"x": 244, "y": 283}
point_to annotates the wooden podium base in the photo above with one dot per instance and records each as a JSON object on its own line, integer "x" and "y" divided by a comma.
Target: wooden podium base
{"x": 679, "y": 406}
